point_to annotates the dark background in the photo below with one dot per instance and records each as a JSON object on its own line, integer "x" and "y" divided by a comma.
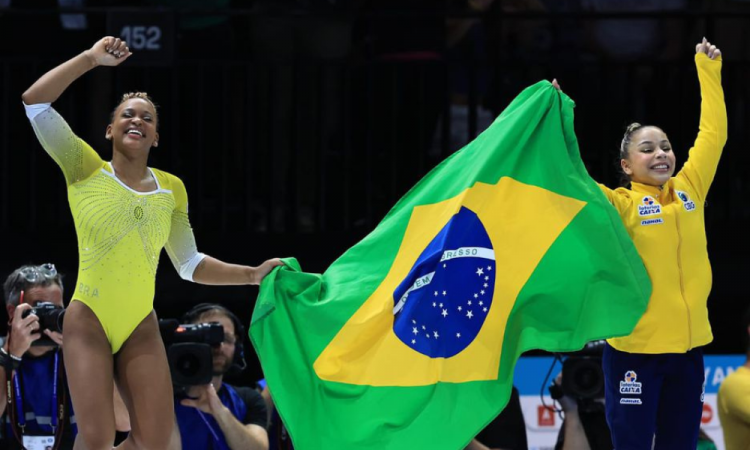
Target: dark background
{"x": 296, "y": 124}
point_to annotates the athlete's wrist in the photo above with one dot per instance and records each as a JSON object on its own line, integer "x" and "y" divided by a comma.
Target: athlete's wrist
{"x": 90, "y": 58}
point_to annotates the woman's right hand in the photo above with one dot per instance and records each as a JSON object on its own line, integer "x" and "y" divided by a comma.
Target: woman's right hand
{"x": 109, "y": 51}
{"x": 22, "y": 331}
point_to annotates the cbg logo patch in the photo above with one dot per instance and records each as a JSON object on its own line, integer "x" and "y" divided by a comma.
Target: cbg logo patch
{"x": 686, "y": 202}
{"x": 648, "y": 207}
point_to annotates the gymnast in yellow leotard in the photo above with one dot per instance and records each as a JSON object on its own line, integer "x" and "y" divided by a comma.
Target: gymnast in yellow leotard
{"x": 124, "y": 213}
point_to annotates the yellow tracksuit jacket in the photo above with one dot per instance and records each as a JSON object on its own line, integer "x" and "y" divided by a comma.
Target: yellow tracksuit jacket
{"x": 667, "y": 226}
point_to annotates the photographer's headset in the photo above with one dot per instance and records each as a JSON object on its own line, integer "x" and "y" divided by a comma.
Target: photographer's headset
{"x": 238, "y": 364}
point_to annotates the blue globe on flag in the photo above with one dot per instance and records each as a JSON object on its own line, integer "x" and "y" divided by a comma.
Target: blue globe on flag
{"x": 441, "y": 305}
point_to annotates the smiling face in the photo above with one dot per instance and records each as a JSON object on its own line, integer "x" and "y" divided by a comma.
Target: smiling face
{"x": 650, "y": 159}
{"x": 133, "y": 126}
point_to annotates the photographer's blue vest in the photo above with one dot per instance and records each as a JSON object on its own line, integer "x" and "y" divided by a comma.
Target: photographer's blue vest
{"x": 35, "y": 382}
{"x": 199, "y": 431}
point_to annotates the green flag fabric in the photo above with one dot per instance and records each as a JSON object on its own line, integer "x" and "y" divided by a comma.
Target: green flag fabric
{"x": 409, "y": 340}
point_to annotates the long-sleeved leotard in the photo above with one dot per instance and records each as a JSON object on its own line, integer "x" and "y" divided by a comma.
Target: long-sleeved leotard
{"x": 120, "y": 231}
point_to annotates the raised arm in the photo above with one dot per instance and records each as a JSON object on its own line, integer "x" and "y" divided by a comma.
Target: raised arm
{"x": 108, "y": 51}
{"x": 74, "y": 156}
{"x": 700, "y": 168}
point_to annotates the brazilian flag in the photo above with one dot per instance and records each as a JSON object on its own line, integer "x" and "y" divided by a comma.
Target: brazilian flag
{"x": 409, "y": 340}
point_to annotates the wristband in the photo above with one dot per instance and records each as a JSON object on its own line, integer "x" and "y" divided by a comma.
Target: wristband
{"x": 9, "y": 361}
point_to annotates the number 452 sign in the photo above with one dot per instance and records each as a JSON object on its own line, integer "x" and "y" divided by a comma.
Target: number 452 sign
{"x": 149, "y": 36}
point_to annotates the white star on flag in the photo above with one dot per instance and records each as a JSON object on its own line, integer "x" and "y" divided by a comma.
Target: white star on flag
{"x": 480, "y": 271}
{"x": 469, "y": 315}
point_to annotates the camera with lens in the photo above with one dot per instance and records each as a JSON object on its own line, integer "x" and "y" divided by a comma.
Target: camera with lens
{"x": 582, "y": 375}
{"x": 189, "y": 351}
{"x": 50, "y": 318}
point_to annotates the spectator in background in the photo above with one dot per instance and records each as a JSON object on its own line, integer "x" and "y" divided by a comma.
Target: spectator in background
{"x": 468, "y": 79}
{"x": 520, "y": 49}
{"x": 641, "y": 42}
{"x": 734, "y": 400}
{"x": 298, "y": 47}
{"x": 404, "y": 90}
{"x": 634, "y": 39}
{"x": 201, "y": 34}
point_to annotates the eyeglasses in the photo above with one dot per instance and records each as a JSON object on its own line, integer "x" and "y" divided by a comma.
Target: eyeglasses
{"x": 36, "y": 274}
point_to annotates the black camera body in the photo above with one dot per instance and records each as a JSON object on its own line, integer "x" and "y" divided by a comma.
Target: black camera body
{"x": 582, "y": 375}
{"x": 50, "y": 318}
{"x": 189, "y": 351}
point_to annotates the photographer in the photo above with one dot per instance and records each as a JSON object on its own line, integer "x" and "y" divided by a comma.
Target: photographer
{"x": 579, "y": 388}
{"x": 217, "y": 415}
{"x": 582, "y": 421}
{"x": 39, "y": 408}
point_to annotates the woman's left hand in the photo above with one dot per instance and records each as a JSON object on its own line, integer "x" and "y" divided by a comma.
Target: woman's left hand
{"x": 264, "y": 269}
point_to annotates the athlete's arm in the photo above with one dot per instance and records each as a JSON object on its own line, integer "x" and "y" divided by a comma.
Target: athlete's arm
{"x": 197, "y": 267}
{"x": 216, "y": 272}
{"x": 108, "y": 51}
{"x": 703, "y": 159}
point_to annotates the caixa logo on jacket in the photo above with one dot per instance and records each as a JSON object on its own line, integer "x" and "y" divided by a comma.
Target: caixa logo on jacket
{"x": 649, "y": 207}
{"x": 686, "y": 202}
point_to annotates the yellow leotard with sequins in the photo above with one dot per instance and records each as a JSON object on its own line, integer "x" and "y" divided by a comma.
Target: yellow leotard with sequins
{"x": 120, "y": 231}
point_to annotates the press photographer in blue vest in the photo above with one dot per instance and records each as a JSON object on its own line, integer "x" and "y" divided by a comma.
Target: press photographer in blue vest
{"x": 38, "y": 413}
{"x": 215, "y": 415}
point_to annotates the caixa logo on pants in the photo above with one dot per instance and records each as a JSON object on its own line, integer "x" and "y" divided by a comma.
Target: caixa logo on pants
{"x": 630, "y": 387}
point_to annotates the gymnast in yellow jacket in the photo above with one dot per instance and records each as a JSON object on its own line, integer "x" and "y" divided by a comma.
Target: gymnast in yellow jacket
{"x": 124, "y": 214}
{"x": 654, "y": 377}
